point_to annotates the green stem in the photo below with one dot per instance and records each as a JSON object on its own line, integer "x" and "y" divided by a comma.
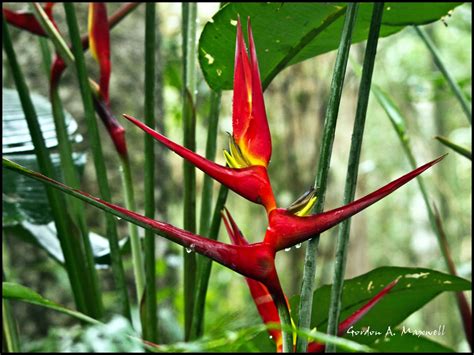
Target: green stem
{"x": 205, "y": 266}
{"x": 137, "y": 259}
{"x": 71, "y": 177}
{"x": 53, "y": 33}
{"x": 466, "y": 106}
{"x": 56, "y": 201}
{"x": 95, "y": 142}
{"x": 320, "y": 184}
{"x": 189, "y": 11}
{"x": 287, "y": 328}
{"x": 45, "y": 55}
{"x": 11, "y": 340}
{"x": 352, "y": 170}
{"x": 150, "y": 320}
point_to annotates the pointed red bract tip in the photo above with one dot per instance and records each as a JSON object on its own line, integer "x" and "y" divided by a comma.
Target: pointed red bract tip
{"x": 249, "y": 120}
{"x": 99, "y": 41}
{"x": 251, "y": 183}
{"x": 286, "y": 229}
{"x": 114, "y": 128}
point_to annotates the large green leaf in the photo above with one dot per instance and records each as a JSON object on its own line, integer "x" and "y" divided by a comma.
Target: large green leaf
{"x": 15, "y": 291}
{"x": 288, "y": 33}
{"x": 415, "y": 288}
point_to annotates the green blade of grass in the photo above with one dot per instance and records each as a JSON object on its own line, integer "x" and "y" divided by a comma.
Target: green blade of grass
{"x": 189, "y": 11}
{"x": 456, "y": 147}
{"x": 150, "y": 321}
{"x": 101, "y": 173}
{"x": 352, "y": 170}
{"x": 320, "y": 184}
{"x": 205, "y": 266}
{"x": 466, "y": 106}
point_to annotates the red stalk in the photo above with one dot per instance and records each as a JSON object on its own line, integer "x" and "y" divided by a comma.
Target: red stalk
{"x": 251, "y": 183}
{"x": 260, "y": 294}
{"x": 285, "y": 229}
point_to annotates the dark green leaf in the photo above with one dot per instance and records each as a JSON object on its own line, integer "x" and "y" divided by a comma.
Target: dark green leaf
{"x": 288, "y": 33}
{"x": 416, "y": 287}
{"x": 409, "y": 344}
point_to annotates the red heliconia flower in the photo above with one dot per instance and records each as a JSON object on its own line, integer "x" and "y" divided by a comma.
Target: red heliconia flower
{"x": 286, "y": 229}
{"x": 251, "y": 182}
{"x": 99, "y": 41}
{"x": 25, "y": 20}
{"x": 250, "y": 145}
{"x": 267, "y": 308}
{"x": 251, "y": 133}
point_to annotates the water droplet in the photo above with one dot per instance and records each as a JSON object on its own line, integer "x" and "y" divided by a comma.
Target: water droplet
{"x": 297, "y": 246}
{"x": 287, "y": 249}
{"x": 270, "y": 337}
{"x": 233, "y": 22}
{"x": 219, "y": 72}
{"x": 118, "y": 218}
{"x": 267, "y": 50}
{"x": 188, "y": 250}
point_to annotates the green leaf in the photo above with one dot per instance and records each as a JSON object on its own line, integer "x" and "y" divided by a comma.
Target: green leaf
{"x": 288, "y": 33}
{"x": 416, "y": 287}
{"x": 15, "y": 291}
{"x": 456, "y": 147}
{"x": 409, "y": 344}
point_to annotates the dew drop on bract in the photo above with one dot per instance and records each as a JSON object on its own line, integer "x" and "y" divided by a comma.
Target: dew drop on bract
{"x": 297, "y": 246}
{"x": 287, "y": 249}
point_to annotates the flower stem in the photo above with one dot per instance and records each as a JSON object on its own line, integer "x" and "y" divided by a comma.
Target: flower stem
{"x": 466, "y": 106}
{"x": 205, "y": 265}
{"x": 352, "y": 170}
{"x": 189, "y": 11}
{"x": 337, "y": 83}
{"x": 95, "y": 142}
{"x": 150, "y": 321}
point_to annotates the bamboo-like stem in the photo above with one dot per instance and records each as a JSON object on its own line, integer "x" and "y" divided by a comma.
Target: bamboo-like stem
{"x": 189, "y": 11}
{"x": 101, "y": 172}
{"x": 45, "y": 55}
{"x": 149, "y": 318}
{"x": 466, "y": 106}
{"x": 11, "y": 340}
{"x": 320, "y": 184}
{"x": 71, "y": 177}
{"x": 205, "y": 266}
{"x": 137, "y": 259}
{"x": 203, "y": 271}
{"x": 352, "y": 170}
{"x": 56, "y": 201}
